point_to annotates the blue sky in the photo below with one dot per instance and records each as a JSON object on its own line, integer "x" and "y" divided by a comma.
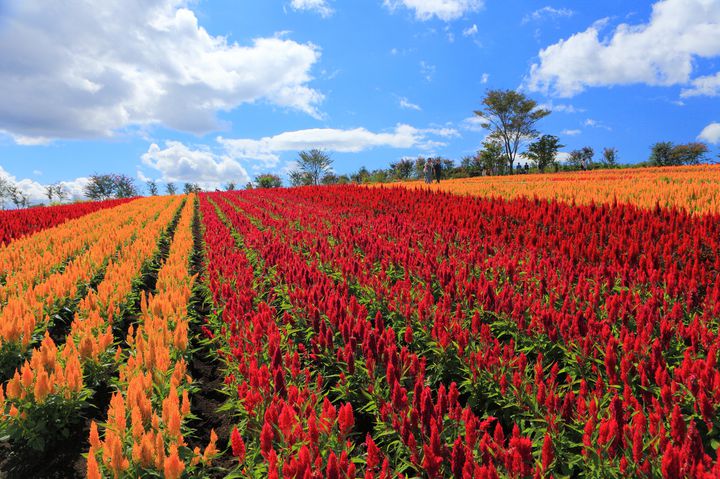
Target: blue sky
{"x": 219, "y": 90}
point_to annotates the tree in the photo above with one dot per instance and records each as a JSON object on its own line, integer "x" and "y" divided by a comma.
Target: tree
{"x": 60, "y": 192}
{"x": 100, "y": 187}
{"x": 299, "y": 178}
{"x": 361, "y": 176}
{"x": 125, "y": 187}
{"x": 609, "y": 158}
{"x": 690, "y": 154}
{"x": 230, "y": 186}
{"x": 661, "y": 153}
{"x": 329, "y": 179}
{"x": 581, "y": 159}
{"x": 170, "y": 189}
{"x": 152, "y": 188}
{"x": 49, "y": 192}
{"x": 511, "y": 117}
{"x": 403, "y": 168}
{"x": 492, "y": 158}
{"x": 420, "y": 167}
{"x": 314, "y": 163}
{"x": 4, "y": 192}
{"x": 268, "y": 180}
{"x": 665, "y": 153}
{"x": 189, "y": 188}
{"x": 543, "y": 151}
{"x": 18, "y": 197}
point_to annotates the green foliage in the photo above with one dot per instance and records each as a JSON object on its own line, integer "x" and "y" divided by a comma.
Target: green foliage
{"x": 403, "y": 169}
{"x": 665, "y": 153}
{"x": 543, "y": 152}
{"x": 314, "y": 164}
{"x": 511, "y": 117}
{"x": 268, "y": 180}
{"x": 609, "y": 158}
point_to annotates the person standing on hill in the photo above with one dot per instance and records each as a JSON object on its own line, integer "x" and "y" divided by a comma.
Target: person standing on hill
{"x": 427, "y": 169}
{"x": 437, "y": 169}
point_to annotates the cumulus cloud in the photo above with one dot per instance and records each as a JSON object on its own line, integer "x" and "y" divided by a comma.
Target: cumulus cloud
{"x": 408, "y": 105}
{"x": 35, "y": 191}
{"x": 266, "y": 150}
{"x": 703, "y": 86}
{"x": 71, "y": 71}
{"x": 318, "y": 6}
{"x": 548, "y": 12}
{"x": 445, "y": 10}
{"x": 711, "y": 133}
{"x": 178, "y": 163}
{"x": 661, "y": 52}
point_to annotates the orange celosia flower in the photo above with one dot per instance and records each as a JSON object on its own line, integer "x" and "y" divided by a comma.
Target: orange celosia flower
{"x": 173, "y": 466}
{"x": 93, "y": 470}
{"x": 42, "y": 386}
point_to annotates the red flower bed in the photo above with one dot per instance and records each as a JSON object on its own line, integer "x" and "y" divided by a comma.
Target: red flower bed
{"x": 17, "y": 223}
{"x": 385, "y": 332}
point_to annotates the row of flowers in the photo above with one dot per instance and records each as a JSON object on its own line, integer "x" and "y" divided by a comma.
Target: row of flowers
{"x": 18, "y": 223}
{"x": 53, "y": 390}
{"x": 695, "y": 189}
{"x": 146, "y": 419}
{"x": 73, "y": 259}
{"x": 548, "y": 338}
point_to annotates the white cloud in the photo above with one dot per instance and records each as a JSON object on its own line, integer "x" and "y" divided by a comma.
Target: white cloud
{"x": 35, "y": 191}
{"x": 178, "y": 163}
{"x": 427, "y": 70}
{"x": 319, "y": 6}
{"x": 596, "y": 124}
{"x": 571, "y": 132}
{"x": 470, "y": 31}
{"x": 473, "y": 123}
{"x": 710, "y": 133}
{"x": 703, "y": 86}
{"x": 445, "y": 10}
{"x": 408, "y": 105}
{"x": 560, "y": 107}
{"x": 484, "y": 78}
{"x": 660, "y": 52}
{"x": 74, "y": 71}
{"x": 548, "y": 12}
{"x": 267, "y": 149}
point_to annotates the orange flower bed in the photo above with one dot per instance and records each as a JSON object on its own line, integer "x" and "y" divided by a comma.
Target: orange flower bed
{"x": 693, "y": 188}
{"x": 28, "y": 300}
{"x": 153, "y": 393}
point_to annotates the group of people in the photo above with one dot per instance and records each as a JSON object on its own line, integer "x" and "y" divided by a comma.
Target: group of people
{"x": 432, "y": 170}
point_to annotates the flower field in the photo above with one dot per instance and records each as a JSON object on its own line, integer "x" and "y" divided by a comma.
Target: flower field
{"x": 693, "y": 188}
{"x": 350, "y": 332}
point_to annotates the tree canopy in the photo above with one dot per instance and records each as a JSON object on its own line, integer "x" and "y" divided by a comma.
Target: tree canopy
{"x": 511, "y": 117}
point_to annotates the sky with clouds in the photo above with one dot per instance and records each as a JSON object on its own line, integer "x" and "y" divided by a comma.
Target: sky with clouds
{"x": 213, "y": 91}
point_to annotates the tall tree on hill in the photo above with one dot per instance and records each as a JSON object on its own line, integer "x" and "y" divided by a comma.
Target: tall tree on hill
{"x": 511, "y": 117}
{"x": 315, "y": 164}
{"x": 543, "y": 151}
{"x": 171, "y": 189}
